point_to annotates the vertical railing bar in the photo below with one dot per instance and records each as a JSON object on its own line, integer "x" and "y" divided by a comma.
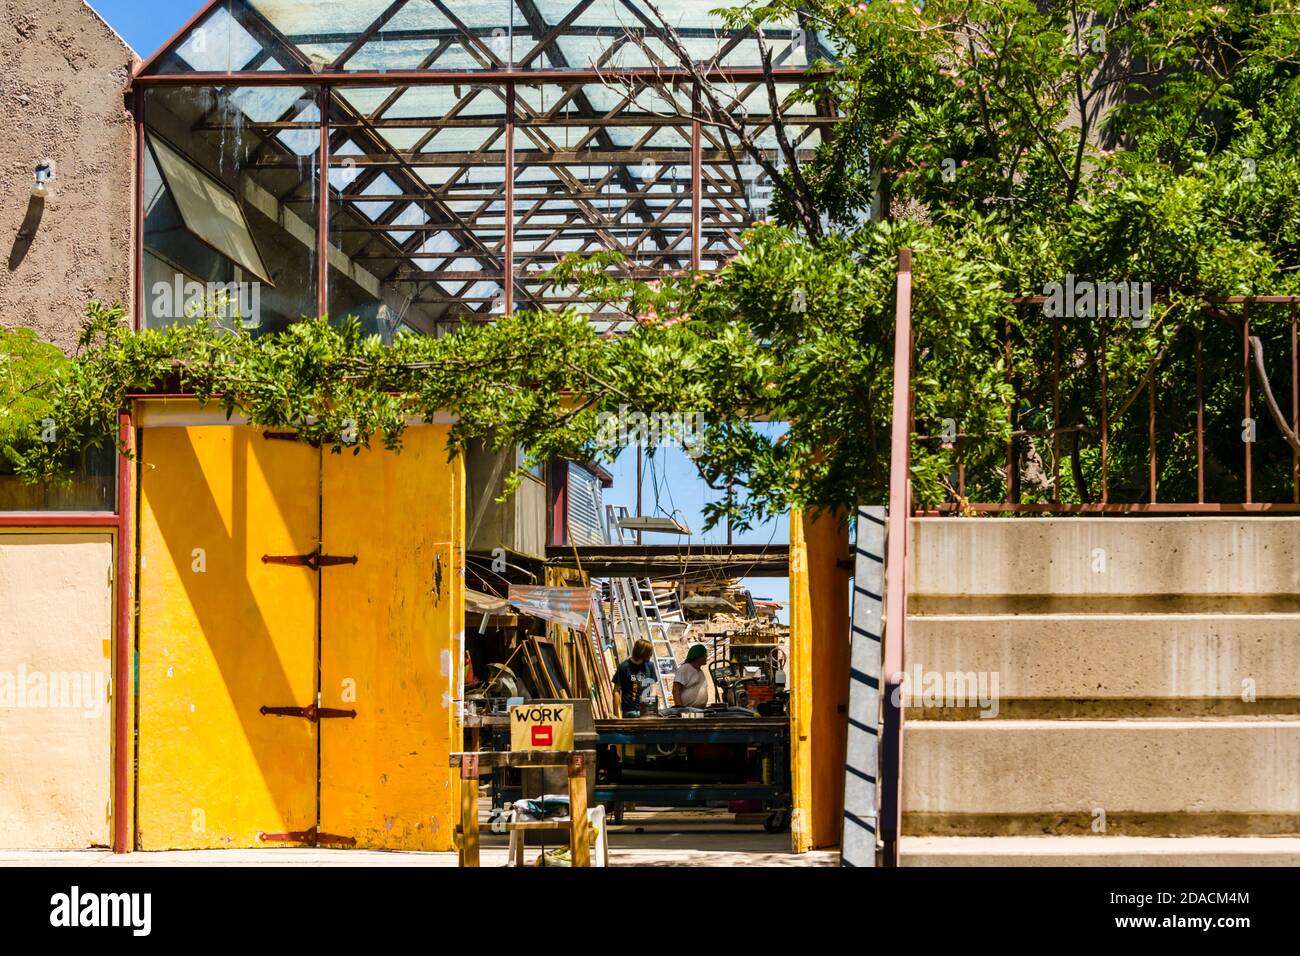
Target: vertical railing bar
{"x": 1056, "y": 409}
{"x": 1011, "y": 416}
{"x": 1295, "y": 409}
{"x": 1245, "y": 360}
{"x": 1151, "y": 429}
{"x": 1200, "y": 420}
{"x": 1105, "y": 423}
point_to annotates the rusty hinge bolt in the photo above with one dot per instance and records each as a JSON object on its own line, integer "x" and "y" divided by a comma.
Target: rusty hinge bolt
{"x": 313, "y": 713}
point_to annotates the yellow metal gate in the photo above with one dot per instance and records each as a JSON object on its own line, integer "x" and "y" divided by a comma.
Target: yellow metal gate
{"x": 299, "y": 641}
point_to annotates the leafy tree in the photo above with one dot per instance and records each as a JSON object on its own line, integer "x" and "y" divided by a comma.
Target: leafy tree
{"x": 1010, "y": 144}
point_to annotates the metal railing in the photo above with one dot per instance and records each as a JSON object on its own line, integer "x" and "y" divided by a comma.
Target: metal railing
{"x": 1077, "y": 398}
{"x": 1178, "y": 428}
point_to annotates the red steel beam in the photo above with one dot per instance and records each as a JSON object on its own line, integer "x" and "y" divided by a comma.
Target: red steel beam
{"x": 138, "y": 215}
{"x": 508, "y": 252}
{"x": 697, "y": 179}
{"x": 393, "y": 78}
{"x": 58, "y": 519}
{"x": 124, "y": 657}
{"x": 323, "y": 209}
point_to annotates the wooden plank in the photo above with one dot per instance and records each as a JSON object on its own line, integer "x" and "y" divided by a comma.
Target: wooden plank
{"x": 579, "y": 825}
{"x": 530, "y": 758}
{"x": 469, "y": 849}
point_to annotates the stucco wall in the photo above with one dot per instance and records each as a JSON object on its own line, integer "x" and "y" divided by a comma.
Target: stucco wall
{"x": 62, "y": 88}
{"x": 56, "y": 625}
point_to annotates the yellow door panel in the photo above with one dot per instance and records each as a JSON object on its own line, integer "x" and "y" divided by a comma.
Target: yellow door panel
{"x": 223, "y": 634}
{"x": 391, "y": 635}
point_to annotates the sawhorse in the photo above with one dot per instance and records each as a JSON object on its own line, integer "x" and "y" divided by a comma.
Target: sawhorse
{"x": 577, "y": 762}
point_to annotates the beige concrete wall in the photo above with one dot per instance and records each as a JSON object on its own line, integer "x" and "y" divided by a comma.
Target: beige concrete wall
{"x": 1113, "y": 656}
{"x": 1091, "y": 851}
{"x": 56, "y": 624}
{"x": 1147, "y": 683}
{"x": 1037, "y": 767}
{"x": 954, "y": 561}
{"x": 64, "y": 76}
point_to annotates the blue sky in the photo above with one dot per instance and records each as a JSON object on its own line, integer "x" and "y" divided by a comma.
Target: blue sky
{"x": 671, "y": 484}
{"x": 146, "y": 24}
{"x": 672, "y": 488}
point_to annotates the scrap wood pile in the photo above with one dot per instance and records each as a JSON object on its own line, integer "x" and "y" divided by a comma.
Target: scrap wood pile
{"x": 586, "y": 636}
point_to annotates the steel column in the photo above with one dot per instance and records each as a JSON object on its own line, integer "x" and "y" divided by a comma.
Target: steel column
{"x": 323, "y": 209}
{"x": 697, "y": 180}
{"x": 124, "y": 643}
{"x": 508, "y": 239}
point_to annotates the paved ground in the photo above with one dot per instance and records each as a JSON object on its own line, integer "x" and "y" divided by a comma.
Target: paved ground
{"x": 679, "y": 838}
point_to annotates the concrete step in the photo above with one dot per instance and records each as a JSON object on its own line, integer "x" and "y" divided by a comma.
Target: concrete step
{"x": 1011, "y": 565}
{"x": 1144, "y": 777}
{"x": 1099, "y": 851}
{"x": 1233, "y": 657}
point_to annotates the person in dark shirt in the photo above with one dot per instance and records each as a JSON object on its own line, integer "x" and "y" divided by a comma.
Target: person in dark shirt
{"x": 634, "y": 678}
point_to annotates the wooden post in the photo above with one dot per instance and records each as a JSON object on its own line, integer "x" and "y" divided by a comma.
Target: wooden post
{"x": 579, "y": 826}
{"x": 469, "y": 810}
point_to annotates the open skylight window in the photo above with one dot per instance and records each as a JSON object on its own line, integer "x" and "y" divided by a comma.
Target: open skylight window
{"x": 210, "y": 211}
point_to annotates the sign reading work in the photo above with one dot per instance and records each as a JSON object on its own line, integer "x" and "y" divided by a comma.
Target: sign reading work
{"x": 541, "y": 727}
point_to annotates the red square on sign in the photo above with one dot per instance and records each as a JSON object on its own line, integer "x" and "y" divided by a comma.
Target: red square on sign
{"x": 543, "y": 735}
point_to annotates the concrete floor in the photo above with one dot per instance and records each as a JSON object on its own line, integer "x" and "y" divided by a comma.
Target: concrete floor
{"x": 646, "y": 838}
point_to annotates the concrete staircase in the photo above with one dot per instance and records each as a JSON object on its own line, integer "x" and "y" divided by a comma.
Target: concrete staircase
{"x": 1140, "y": 681}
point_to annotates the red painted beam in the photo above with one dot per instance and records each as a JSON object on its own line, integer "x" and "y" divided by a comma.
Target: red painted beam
{"x": 124, "y": 658}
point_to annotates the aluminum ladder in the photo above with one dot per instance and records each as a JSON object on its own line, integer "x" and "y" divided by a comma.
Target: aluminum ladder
{"x": 644, "y": 613}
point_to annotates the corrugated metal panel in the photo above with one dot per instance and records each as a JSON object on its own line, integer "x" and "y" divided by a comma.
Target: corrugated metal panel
{"x": 585, "y": 507}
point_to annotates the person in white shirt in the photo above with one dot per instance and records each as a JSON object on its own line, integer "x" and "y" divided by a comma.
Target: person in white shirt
{"x": 690, "y": 686}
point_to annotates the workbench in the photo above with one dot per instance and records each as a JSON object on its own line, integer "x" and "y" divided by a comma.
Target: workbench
{"x": 771, "y": 735}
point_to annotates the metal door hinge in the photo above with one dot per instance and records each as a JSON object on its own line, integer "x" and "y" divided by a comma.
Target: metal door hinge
{"x": 313, "y": 713}
{"x": 312, "y": 837}
{"x": 316, "y": 560}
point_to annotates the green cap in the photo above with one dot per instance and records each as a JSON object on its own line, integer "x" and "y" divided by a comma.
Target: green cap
{"x": 696, "y": 652}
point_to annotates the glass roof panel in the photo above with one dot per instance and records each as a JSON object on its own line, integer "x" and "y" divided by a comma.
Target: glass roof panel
{"x": 312, "y": 18}
{"x": 343, "y": 175}
{"x": 446, "y": 137}
{"x": 303, "y": 142}
{"x": 412, "y": 215}
{"x": 372, "y": 35}
{"x": 266, "y": 104}
{"x": 381, "y": 55}
{"x": 218, "y": 45}
{"x": 404, "y": 139}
